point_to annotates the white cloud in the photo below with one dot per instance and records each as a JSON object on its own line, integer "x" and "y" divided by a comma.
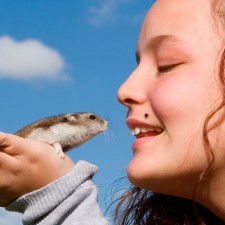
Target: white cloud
{"x": 105, "y": 12}
{"x": 102, "y": 14}
{"x": 9, "y": 218}
{"x": 29, "y": 59}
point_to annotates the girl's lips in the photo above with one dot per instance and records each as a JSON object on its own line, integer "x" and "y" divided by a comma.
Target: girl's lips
{"x": 142, "y": 131}
{"x": 148, "y": 134}
{"x": 132, "y": 122}
{"x": 144, "y": 137}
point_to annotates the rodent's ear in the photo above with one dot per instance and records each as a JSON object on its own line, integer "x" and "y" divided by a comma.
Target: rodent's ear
{"x": 71, "y": 117}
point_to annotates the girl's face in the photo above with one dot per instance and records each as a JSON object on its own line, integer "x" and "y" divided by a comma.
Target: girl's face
{"x": 169, "y": 96}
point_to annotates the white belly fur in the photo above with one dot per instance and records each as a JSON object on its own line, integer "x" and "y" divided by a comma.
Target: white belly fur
{"x": 61, "y": 133}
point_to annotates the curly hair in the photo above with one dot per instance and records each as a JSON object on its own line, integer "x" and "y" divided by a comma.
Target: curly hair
{"x": 141, "y": 207}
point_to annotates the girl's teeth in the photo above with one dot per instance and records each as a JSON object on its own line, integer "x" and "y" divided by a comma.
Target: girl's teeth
{"x": 144, "y": 129}
{"x": 137, "y": 130}
{"x": 158, "y": 129}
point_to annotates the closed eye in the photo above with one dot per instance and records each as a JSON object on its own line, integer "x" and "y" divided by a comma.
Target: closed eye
{"x": 167, "y": 68}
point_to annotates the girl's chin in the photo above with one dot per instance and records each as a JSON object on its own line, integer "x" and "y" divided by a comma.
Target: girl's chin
{"x": 157, "y": 178}
{"x": 148, "y": 173}
{"x": 137, "y": 175}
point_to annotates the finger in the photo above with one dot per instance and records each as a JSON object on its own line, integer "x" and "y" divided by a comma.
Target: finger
{"x": 27, "y": 150}
{"x": 8, "y": 142}
{"x": 5, "y": 145}
{"x": 4, "y": 141}
{"x": 14, "y": 145}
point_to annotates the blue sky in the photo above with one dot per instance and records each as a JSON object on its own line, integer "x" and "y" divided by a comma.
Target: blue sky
{"x": 70, "y": 56}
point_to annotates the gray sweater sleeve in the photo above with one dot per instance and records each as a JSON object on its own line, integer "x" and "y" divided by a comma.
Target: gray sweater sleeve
{"x": 70, "y": 200}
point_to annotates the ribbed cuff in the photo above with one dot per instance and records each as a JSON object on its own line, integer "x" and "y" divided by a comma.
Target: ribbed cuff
{"x": 44, "y": 200}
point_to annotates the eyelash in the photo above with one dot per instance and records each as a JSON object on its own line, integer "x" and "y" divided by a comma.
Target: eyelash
{"x": 167, "y": 68}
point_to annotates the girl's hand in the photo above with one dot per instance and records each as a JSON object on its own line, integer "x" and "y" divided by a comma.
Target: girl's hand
{"x": 27, "y": 165}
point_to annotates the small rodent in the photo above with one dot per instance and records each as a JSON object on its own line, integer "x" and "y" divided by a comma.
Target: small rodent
{"x": 65, "y": 131}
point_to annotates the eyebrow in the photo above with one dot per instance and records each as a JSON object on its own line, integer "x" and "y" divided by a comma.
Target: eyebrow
{"x": 157, "y": 41}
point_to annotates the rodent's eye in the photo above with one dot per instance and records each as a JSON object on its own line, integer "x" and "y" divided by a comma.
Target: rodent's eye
{"x": 92, "y": 117}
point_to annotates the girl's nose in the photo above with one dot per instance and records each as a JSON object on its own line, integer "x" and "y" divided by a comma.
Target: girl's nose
{"x": 132, "y": 91}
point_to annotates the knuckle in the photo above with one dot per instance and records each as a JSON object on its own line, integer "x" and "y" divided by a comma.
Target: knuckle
{"x": 4, "y": 140}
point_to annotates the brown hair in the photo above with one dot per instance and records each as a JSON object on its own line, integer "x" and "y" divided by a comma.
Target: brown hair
{"x": 141, "y": 207}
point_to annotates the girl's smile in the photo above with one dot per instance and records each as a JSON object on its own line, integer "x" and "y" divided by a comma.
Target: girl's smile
{"x": 144, "y": 132}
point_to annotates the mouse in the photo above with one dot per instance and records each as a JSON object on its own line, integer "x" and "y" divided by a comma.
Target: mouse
{"x": 65, "y": 131}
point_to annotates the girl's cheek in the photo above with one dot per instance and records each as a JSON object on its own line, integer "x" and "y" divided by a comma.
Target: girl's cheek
{"x": 164, "y": 100}
{"x": 175, "y": 98}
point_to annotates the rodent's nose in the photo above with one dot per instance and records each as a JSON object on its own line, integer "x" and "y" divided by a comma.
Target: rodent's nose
{"x": 105, "y": 125}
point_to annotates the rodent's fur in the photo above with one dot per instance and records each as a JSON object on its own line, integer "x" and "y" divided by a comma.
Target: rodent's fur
{"x": 66, "y": 130}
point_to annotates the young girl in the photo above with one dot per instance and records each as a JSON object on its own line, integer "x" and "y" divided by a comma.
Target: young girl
{"x": 175, "y": 100}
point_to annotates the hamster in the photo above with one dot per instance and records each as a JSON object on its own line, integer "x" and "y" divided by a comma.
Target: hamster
{"x": 65, "y": 131}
